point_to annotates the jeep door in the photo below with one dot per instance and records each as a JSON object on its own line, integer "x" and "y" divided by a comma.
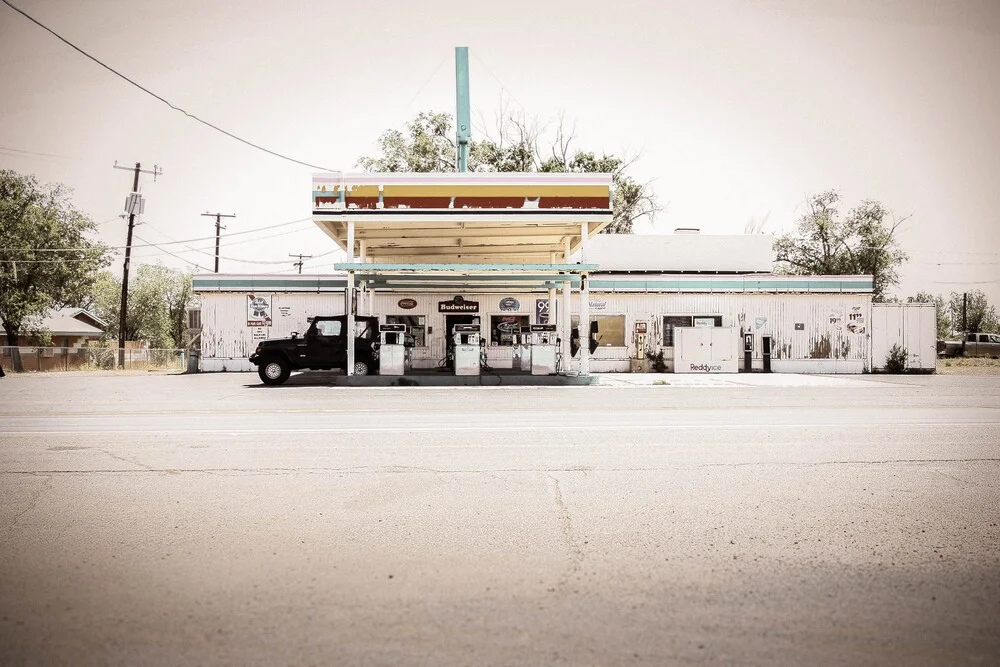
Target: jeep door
{"x": 325, "y": 347}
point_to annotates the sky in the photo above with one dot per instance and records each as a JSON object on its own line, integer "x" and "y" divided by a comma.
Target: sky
{"x": 737, "y": 110}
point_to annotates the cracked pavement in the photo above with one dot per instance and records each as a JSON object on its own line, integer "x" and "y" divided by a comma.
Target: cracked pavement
{"x": 205, "y": 520}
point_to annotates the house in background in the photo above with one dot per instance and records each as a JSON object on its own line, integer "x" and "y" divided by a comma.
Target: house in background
{"x": 68, "y": 327}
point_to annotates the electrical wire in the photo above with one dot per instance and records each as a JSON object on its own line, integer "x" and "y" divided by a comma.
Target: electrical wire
{"x": 203, "y": 238}
{"x": 151, "y": 93}
{"x": 210, "y": 251}
{"x": 183, "y": 259}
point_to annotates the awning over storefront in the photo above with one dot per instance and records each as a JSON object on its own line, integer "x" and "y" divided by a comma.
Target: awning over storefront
{"x": 462, "y": 218}
{"x": 529, "y": 277}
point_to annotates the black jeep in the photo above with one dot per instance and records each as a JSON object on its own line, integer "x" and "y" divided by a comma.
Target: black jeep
{"x": 324, "y": 347}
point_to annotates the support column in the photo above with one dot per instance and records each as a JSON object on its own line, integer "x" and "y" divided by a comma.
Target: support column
{"x": 566, "y": 324}
{"x": 552, "y": 306}
{"x": 349, "y": 310}
{"x": 364, "y": 306}
{"x": 584, "y": 324}
{"x": 584, "y": 303}
{"x": 566, "y": 250}
{"x": 350, "y": 241}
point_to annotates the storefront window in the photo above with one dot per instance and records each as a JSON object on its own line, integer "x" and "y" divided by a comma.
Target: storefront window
{"x": 671, "y": 321}
{"x": 415, "y": 329}
{"x": 610, "y": 329}
{"x": 504, "y": 327}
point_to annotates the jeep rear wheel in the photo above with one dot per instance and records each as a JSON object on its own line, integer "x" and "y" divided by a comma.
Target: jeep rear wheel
{"x": 274, "y": 371}
{"x": 361, "y": 368}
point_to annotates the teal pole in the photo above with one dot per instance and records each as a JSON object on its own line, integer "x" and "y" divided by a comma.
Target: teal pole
{"x": 463, "y": 116}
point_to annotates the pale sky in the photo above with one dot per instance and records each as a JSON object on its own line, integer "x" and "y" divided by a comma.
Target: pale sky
{"x": 738, "y": 109}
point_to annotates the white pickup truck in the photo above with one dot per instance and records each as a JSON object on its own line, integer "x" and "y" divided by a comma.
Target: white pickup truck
{"x": 972, "y": 345}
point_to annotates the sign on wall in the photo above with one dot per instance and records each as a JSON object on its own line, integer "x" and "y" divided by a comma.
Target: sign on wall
{"x": 258, "y": 310}
{"x": 407, "y": 304}
{"x": 704, "y": 321}
{"x": 856, "y": 321}
{"x": 259, "y": 333}
{"x": 542, "y": 311}
{"x": 458, "y": 305}
{"x": 509, "y": 303}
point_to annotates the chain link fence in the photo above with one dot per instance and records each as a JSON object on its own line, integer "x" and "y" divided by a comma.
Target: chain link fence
{"x": 44, "y": 359}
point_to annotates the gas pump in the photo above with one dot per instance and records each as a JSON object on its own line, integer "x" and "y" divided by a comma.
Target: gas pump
{"x": 466, "y": 339}
{"x": 523, "y": 354}
{"x": 542, "y": 354}
{"x": 392, "y": 349}
{"x": 640, "y": 340}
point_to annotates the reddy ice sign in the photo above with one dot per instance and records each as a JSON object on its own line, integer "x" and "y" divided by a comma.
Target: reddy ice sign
{"x": 258, "y": 310}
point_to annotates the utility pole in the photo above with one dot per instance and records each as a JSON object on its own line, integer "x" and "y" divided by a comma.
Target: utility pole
{"x": 134, "y": 205}
{"x": 218, "y": 230}
{"x": 299, "y": 263}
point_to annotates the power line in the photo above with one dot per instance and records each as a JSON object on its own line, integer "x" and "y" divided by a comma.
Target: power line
{"x": 19, "y": 150}
{"x": 204, "y": 238}
{"x": 183, "y": 259}
{"x": 205, "y": 251}
{"x": 149, "y": 92}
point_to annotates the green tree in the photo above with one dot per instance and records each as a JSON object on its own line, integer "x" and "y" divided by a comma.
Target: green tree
{"x": 945, "y": 327}
{"x": 862, "y": 242}
{"x": 427, "y": 144}
{"x": 46, "y": 257}
{"x": 980, "y": 316}
{"x": 157, "y": 305}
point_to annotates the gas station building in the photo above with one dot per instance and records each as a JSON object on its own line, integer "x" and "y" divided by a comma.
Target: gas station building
{"x": 508, "y": 251}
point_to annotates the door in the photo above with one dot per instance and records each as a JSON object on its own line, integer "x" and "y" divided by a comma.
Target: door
{"x": 326, "y": 346}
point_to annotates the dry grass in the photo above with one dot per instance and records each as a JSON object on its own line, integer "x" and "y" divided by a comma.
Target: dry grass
{"x": 974, "y": 366}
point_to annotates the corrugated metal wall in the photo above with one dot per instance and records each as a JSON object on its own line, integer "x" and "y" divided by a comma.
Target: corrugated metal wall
{"x": 809, "y": 332}
{"x": 912, "y": 326}
{"x": 224, "y": 330}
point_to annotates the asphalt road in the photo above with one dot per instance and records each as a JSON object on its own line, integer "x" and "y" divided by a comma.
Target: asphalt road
{"x": 206, "y": 520}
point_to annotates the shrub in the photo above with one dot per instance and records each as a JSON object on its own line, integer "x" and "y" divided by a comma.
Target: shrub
{"x": 896, "y": 361}
{"x": 659, "y": 365}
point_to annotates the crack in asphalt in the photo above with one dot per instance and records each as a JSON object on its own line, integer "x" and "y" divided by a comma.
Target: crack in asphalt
{"x": 32, "y": 504}
{"x": 568, "y": 535}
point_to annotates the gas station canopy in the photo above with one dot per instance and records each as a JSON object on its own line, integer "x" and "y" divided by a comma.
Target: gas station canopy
{"x": 462, "y": 218}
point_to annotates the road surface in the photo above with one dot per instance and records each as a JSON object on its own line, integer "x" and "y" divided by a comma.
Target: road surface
{"x": 169, "y": 520}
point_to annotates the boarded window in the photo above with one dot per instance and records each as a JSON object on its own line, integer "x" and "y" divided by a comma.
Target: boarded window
{"x": 610, "y": 329}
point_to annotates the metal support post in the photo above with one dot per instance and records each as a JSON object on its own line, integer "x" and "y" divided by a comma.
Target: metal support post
{"x": 566, "y": 324}
{"x": 349, "y": 309}
{"x": 463, "y": 116}
{"x": 584, "y": 325}
{"x": 350, "y": 241}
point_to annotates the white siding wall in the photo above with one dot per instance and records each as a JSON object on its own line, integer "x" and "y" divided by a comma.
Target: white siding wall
{"x": 910, "y": 325}
{"x": 227, "y": 341}
{"x": 825, "y": 344}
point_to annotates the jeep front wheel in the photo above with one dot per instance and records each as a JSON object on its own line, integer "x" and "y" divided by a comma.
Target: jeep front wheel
{"x": 360, "y": 368}
{"x": 274, "y": 371}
